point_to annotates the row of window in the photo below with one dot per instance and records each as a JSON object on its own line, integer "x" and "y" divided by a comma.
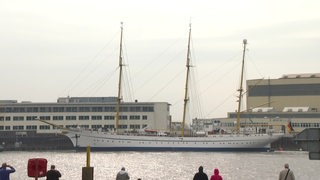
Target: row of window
{"x": 288, "y": 115}
{"x": 178, "y": 142}
{"x": 47, "y": 127}
{"x": 60, "y": 118}
{"x": 230, "y": 124}
{"x": 306, "y": 125}
{"x": 303, "y": 125}
{"x": 77, "y": 109}
{"x": 284, "y": 90}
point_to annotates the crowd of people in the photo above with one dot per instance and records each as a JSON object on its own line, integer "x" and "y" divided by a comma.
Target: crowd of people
{"x": 53, "y": 174}
{"x": 285, "y": 174}
{"x": 203, "y": 176}
{"x": 6, "y": 170}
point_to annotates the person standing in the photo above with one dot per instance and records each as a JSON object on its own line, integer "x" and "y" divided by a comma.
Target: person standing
{"x": 286, "y": 174}
{"x": 53, "y": 174}
{"x": 5, "y": 173}
{"x": 216, "y": 175}
{"x": 200, "y": 175}
{"x": 122, "y": 175}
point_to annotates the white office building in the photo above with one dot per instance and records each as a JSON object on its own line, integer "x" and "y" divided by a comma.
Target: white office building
{"x": 83, "y": 112}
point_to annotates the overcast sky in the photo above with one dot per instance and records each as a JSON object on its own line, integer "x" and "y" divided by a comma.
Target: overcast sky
{"x": 51, "y": 49}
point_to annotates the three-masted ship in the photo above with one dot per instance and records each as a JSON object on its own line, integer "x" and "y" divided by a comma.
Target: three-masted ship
{"x": 107, "y": 141}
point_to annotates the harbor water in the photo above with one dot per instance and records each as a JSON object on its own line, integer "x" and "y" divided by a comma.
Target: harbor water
{"x": 168, "y": 165}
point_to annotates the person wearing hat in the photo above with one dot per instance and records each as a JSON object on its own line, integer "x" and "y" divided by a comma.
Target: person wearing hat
{"x": 122, "y": 175}
{"x": 5, "y": 173}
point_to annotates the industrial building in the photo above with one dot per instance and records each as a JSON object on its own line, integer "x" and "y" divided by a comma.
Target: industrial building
{"x": 292, "y": 98}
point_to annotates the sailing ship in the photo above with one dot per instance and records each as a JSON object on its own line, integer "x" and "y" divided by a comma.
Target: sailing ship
{"x": 113, "y": 141}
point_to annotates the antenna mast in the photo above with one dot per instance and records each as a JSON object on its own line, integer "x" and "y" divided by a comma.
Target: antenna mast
{"x": 186, "y": 87}
{"x": 240, "y": 88}
{"x": 120, "y": 79}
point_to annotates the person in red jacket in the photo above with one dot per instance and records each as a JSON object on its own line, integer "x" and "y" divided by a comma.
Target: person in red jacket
{"x": 216, "y": 175}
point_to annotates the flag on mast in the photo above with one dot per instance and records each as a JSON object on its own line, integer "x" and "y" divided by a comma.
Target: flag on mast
{"x": 290, "y": 128}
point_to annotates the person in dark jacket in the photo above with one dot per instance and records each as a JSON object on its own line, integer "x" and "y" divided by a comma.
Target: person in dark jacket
{"x": 53, "y": 174}
{"x": 5, "y": 173}
{"x": 200, "y": 175}
{"x": 122, "y": 175}
{"x": 216, "y": 175}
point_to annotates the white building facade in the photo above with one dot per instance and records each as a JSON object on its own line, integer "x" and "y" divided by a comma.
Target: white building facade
{"x": 83, "y": 112}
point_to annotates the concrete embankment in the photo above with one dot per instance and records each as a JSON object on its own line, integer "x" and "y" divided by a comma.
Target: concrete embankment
{"x": 28, "y": 141}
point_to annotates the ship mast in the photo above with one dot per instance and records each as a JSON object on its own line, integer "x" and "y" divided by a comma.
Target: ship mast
{"x": 186, "y": 84}
{"x": 120, "y": 80}
{"x": 240, "y": 88}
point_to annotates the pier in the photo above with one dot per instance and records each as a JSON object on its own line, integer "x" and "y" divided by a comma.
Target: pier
{"x": 309, "y": 139}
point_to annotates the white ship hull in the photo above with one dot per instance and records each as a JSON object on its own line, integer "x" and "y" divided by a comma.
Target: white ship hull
{"x": 99, "y": 141}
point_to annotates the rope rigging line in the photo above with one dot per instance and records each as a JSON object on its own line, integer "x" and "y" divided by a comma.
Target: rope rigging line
{"x": 96, "y": 86}
{"x": 155, "y": 74}
{"x": 219, "y": 105}
{"x": 215, "y": 70}
{"x": 249, "y": 59}
{"x": 157, "y": 57}
{"x": 127, "y": 83}
{"x": 233, "y": 94}
{"x": 77, "y": 80}
{"x": 126, "y": 87}
{"x": 167, "y": 84}
{"x": 221, "y": 76}
{"x": 214, "y": 83}
{"x": 195, "y": 100}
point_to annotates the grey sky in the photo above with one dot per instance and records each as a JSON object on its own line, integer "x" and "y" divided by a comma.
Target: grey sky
{"x": 57, "y": 48}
